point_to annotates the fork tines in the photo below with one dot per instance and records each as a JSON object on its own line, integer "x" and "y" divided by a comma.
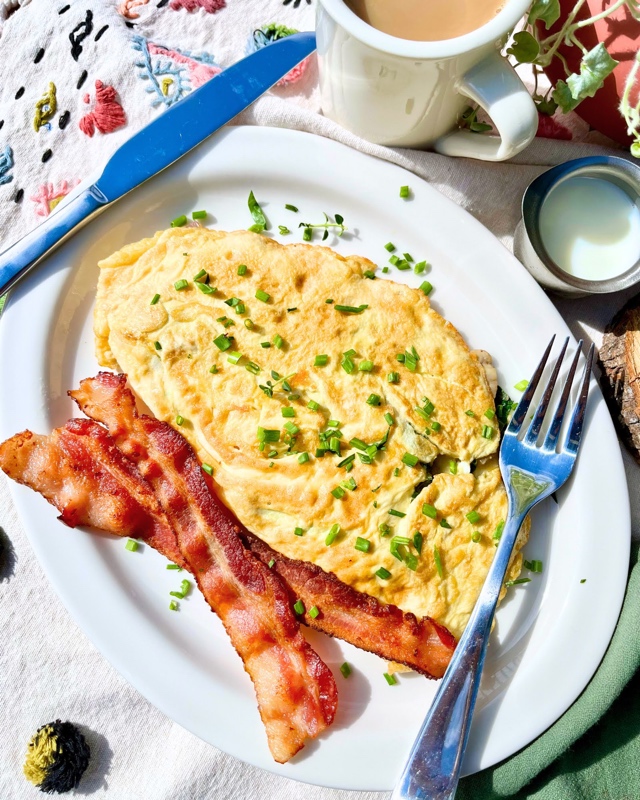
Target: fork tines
{"x": 572, "y": 439}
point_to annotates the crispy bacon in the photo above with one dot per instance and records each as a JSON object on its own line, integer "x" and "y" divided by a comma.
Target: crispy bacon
{"x": 360, "y": 619}
{"x": 80, "y": 471}
{"x": 296, "y": 692}
{"x": 347, "y": 614}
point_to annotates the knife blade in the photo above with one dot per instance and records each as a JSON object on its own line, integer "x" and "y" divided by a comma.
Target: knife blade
{"x": 169, "y": 137}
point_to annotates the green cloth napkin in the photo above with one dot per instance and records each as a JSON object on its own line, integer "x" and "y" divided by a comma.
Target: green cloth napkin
{"x": 593, "y": 750}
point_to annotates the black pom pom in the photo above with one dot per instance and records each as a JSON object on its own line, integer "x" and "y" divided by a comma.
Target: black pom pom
{"x": 57, "y": 757}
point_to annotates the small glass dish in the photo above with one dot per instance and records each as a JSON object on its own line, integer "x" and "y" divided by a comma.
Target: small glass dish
{"x": 529, "y": 246}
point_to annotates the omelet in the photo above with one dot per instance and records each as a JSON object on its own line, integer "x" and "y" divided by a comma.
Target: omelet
{"x": 345, "y": 422}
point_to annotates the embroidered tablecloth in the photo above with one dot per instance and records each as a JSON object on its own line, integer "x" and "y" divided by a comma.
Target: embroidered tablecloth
{"x": 76, "y": 80}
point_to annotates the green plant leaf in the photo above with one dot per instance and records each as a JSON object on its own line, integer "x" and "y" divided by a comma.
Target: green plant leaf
{"x": 547, "y": 11}
{"x": 545, "y": 105}
{"x": 596, "y": 65}
{"x": 635, "y": 152}
{"x": 524, "y": 47}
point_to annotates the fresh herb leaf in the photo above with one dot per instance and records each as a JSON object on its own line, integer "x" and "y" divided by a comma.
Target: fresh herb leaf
{"x": 258, "y": 214}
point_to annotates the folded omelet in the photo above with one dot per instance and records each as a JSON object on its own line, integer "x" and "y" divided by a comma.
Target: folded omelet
{"x": 345, "y": 421}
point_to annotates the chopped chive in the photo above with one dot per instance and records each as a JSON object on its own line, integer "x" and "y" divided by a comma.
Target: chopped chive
{"x": 384, "y": 529}
{"x": 314, "y": 611}
{"x": 390, "y": 679}
{"x": 185, "y": 586}
{"x": 395, "y": 513}
{"x": 348, "y": 365}
{"x": 198, "y": 214}
{"x": 410, "y": 460}
{"x": 320, "y": 360}
{"x": 404, "y": 191}
{"x": 291, "y": 428}
{"x": 411, "y": 562}
{"x": 271, "y": 563}
{"x": 583, "y": 580}
{"x": 333, "y": 423}
{"x": 430, "y": 511}
{"x": 179, "y": 420}
{"x": 389, "y": 419}
{"x": 214, "y": 369}
{"x": 498, "y": 531}
{"x": 394, "y": 260}
{"x": 390, "y": 247}
{"x": 521, "y": 385}
{"x": 374, "y": 400}
{"x": 131, "y": 545}
{"x": 438, "y": 560}
{"x": 181, "y": 284}
{"x": 351, "y": 309}
{"x": 222, "y": 342}
{"x": 487, "y": 432}
{"x": 350, "y": 483}
{"x": 534, "y": 566}
{"x": 403, "y": 265}
{"x": 320, "y": 451}
{"x": 338, "y": 492}
{"x": 205, "y": 288}
{"x": 157, "y": 345}
{"x": 358, "y": 444}
{"x": 453, "y": 467}
{"x": 173, "y": 566}
{"x": 178, "y": 222}
{"x": 278, "y": 341}
{"x": 240, "y": 308}
{"x": 400, "y": 357}
{"x": 179, "y": 595}
{"x": 155, "y": 299}
{"x": 234, "y": 357}
{"x": 334, "y": 445}
{"x": 303, "y": 458}
{"x": 436, "y": 426}
{"x": 418, "y": 541}
{"x": 365, "y": 366}
{"x": 473, "y": 517}
{"x": 289, "y": 207}
{"x": 393, "y": 377}
{"x": 272, "y": 454}
{"x": 363, "y": 545}
{"x": 426, "y": 287}
{"x": 420, "y": 267}
{"x": 408, "y": 257}
{"x": 517, "y": 582}
{"x": 346, "y": 461}
{"x": 444, "y": 524}
{"x": 345, "y": 669}
{"x": 329, "y": 301}
{"x": 428, "y": 406}
{"x": 369, "y": 273}
{"x": 173, "y": 606}
{"x": 476, "y": 536}
{"x": 332, "y": 535}
{"x": 208, "y": 469}
{"x": 469, "y": 413}
{"x": 489, "y": 413}
{"x": 283, "y": 230}
{"x": 288, "y": 411}
{"x": 298, "y": 607}
{"x": 298, "y": 532}
{"x": 307, "y": 233}
{"x": 251, "y": 367}
{"x": 382, "y": 573}
{"x": 266, "y": 435}
{"x": 385, "y": 270}
{"x": 264, "y": 296}
{"x": 200, "y": 275}
{"x": 349, "y": 353}
{"x": 248, "y": 324}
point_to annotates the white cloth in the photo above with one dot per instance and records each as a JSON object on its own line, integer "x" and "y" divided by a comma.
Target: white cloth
{"x": 48, "y": 668}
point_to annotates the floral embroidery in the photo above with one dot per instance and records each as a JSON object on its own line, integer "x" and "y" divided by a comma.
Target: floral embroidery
{"x": 172, "y": 73}
{"x": 6, "y": 165}
{"x": 45, "y": 108}
{"x": 262, "y": 37}
{"x": 80, "y": 33}
{"x": 127, "y": 8}
{"x": 48, "y": 197}
{"x": 210, "y": 6}
{"x": 107, "y": 114}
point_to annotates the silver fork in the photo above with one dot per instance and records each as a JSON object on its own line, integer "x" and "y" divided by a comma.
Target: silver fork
{"x": 531, "y": 473}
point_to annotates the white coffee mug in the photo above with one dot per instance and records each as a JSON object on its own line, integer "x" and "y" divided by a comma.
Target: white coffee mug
{"x": 411, "y": 94}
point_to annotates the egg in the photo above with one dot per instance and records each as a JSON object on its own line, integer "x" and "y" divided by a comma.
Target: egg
{"x": 337, "y": 411}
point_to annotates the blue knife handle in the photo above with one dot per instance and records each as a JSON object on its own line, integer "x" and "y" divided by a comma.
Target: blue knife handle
{"x": 28, "y": 251}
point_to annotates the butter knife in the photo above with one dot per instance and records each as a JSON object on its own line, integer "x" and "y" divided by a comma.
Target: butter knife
{"x": 173, "y": 134}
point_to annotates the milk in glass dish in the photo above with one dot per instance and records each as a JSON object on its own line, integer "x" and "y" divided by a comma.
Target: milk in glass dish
{"x": 580, "y": 228}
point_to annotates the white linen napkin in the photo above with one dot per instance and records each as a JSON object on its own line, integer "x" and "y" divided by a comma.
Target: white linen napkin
{"x": 48, "y": 668}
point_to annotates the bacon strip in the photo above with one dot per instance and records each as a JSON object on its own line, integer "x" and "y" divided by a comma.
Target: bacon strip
{"x": 296, "y": 692}
{"x": 347, "y": 614}
{"x": 362, "y": 620}
{"x": 80, "y": 471}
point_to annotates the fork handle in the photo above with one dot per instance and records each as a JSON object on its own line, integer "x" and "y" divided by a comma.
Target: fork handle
{"x": 432, "y": 771}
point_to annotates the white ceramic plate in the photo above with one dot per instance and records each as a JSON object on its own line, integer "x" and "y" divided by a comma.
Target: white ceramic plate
{"x": 550, "y": 635}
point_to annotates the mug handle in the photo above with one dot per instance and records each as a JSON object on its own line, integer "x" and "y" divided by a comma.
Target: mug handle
{"x": 495, "y": 86}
